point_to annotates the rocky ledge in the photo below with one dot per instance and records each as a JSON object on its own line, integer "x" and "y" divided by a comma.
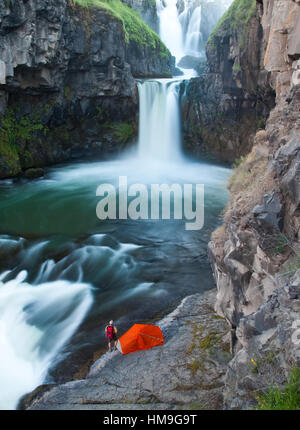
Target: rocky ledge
{"x": 186, "y": 372}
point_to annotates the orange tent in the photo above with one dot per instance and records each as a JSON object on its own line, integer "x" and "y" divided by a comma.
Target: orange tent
{"x": 140, "y": 337}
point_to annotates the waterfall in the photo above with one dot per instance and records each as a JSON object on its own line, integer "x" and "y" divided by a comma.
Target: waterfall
{"x": 180, "y": 24}
{"x": 159, "y": 125}
{"x": 180, "y": 28}
{"x": 181, "y": 32}
{"x": 170, "y": 29}
{"x": 193, "y": 35}
{"x": 159, "y": 116}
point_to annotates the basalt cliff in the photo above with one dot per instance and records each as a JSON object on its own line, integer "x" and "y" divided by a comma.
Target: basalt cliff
{"x": 67, "y": 86}
{"x": 255, "y": 253}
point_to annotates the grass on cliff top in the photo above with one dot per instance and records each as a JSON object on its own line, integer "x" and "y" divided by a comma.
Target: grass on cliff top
{"x": 134, "y": 27}
{"x": 239, "y": 13}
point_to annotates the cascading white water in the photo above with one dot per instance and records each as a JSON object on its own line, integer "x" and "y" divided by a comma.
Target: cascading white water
{"x": 35, "y": 323}
{"x": 180, "y": 24}
{"x": 181, "y": 32}
{"x": 193, "y": 34}
{"x": 159, "y": 119}
{"x": 159, "y": 126}
{"x": 170, "y": 29}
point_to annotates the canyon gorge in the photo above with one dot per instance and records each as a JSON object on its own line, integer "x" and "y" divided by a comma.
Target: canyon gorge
{"x": 187, "y": 91}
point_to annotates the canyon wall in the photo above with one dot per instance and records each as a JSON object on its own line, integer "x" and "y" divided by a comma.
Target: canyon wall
{"x": 223, "y": 108}
{"x": 67, "y": 85}
{"x": 255, "y": 253}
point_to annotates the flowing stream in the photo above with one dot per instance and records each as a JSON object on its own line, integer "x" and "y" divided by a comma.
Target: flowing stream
{"x": 64, "y": 273}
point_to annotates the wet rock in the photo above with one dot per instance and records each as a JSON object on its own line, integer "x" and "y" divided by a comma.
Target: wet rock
{"x": 190, "y": 62}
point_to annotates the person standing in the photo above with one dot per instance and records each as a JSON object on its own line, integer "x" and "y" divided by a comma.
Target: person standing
{"x": 111, "y": 335}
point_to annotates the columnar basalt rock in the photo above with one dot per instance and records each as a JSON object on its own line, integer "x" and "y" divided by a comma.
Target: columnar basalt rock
{"x": 255, "y": 254}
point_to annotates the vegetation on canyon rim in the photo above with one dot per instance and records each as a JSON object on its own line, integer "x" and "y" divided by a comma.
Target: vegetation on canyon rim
{"x": 134, "y": 27}
{"x": 238, "y": 15}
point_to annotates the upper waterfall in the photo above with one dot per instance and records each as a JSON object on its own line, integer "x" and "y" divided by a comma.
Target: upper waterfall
{"x": 185, "y": 25}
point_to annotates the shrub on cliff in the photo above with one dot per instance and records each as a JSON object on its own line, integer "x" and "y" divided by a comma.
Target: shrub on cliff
{"x": 15, "y": 128}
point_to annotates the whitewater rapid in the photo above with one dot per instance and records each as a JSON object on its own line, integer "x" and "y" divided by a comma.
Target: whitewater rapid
{"x": 36, "y": 321}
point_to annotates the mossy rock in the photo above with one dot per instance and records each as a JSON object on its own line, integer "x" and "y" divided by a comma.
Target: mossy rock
{"x": 34, "y": 173}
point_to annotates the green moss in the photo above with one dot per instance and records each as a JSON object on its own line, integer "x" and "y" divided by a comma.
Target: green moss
{"x": 100, "y": 113}
{"x": 14, "y": 129}
{"x": 208, "y": 341}
{"x": 9, "y": 155}
{"x": 134, "y": 27}
{"x": 217, "y": 317}
{"x": 260, "y": 124}
{"x": 237, "y": 67}
{"x": 238, "y": 15}
{"x": 195, "y": 365}
{"x": 281, "y": 242}
{"x": 123, "y": 131}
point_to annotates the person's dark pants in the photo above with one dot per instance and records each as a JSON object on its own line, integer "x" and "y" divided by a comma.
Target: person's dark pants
{"x": 110, "y": 339}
